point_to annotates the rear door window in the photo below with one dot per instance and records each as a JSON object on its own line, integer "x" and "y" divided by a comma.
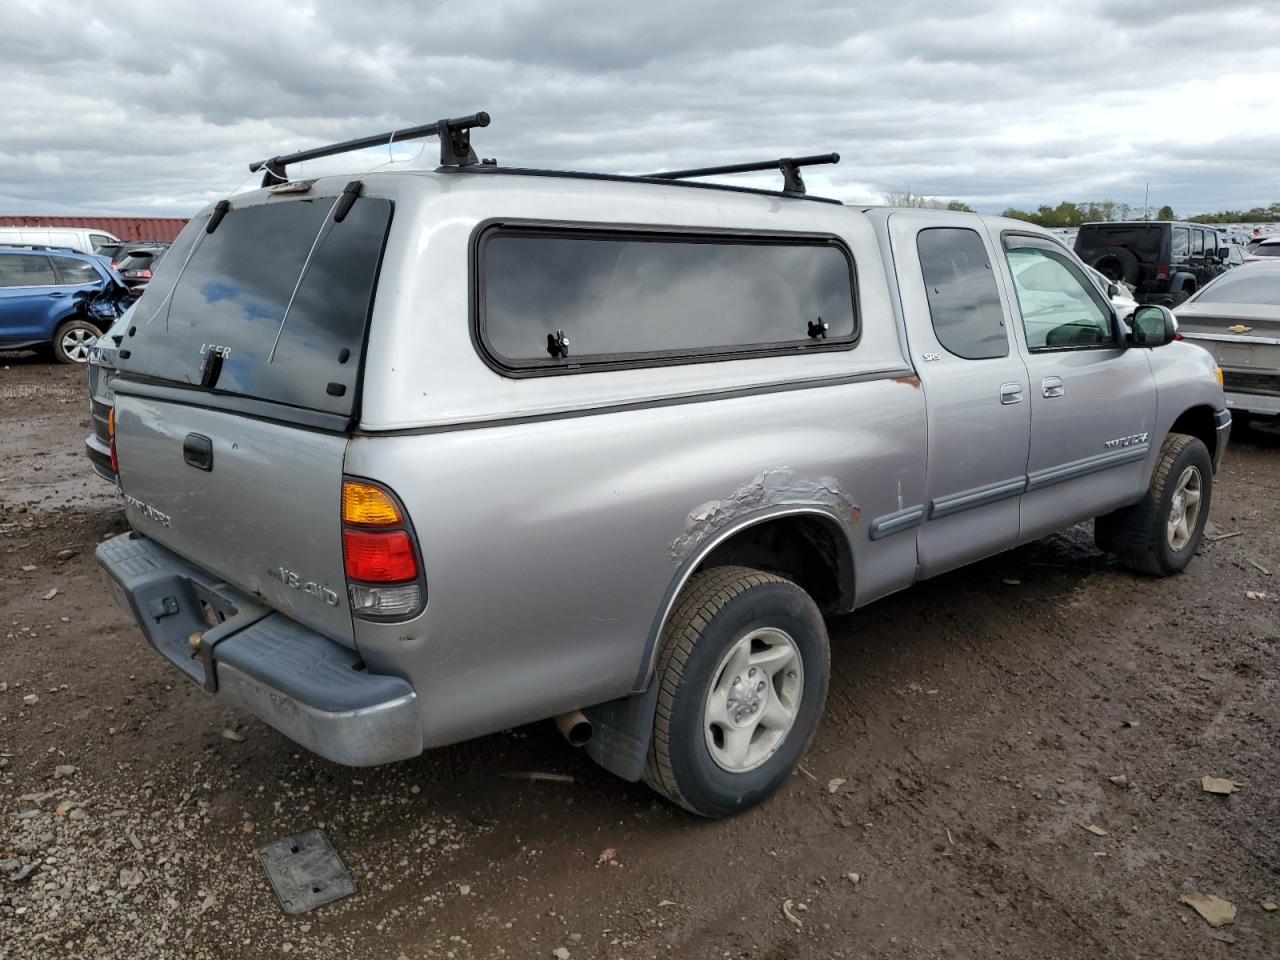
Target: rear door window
{"x": 75, "y": 272}
{"x": 1181, "y": 242}
{"x": 1197, "y": 242}
{"x": 557, "y": 299}
{"x": 964, "y": 303}
{"x": 279, "y": 291}
{"x": 25, "y": 270}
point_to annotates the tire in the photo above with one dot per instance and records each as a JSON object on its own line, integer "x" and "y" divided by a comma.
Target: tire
{"x": 1117, "y": 263}
{"x": 73, "y": 340}
{"x": 729, "y": 616}
{"x": 1140, "y": 536}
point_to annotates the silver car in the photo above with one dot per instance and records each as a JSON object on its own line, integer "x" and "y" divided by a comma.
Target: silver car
{"x": 1237, "y": 318}
{"x": 419, "y": 456}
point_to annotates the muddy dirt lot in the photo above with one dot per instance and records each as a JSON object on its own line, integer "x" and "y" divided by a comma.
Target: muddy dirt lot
{"x": 958, "y": 801}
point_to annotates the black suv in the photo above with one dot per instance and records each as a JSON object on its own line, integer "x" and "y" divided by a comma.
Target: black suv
{"x": 1165, "y": 262}
{"x": 136, "y": 261}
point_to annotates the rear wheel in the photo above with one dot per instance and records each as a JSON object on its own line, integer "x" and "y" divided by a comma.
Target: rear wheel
{"x": 1159, "y": 534}
{"x": 73, "y": 341}
{"x": 743, "y": 679}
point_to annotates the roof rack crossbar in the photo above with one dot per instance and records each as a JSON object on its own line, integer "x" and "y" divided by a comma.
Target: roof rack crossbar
{"x": 455, "y": 146}
{"x": 790, "y": 167}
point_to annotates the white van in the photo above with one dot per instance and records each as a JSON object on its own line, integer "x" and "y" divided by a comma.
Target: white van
{"x": 83, "y": 239}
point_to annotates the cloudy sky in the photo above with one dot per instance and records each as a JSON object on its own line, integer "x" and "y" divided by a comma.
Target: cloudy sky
{"x": 156, "y": 110}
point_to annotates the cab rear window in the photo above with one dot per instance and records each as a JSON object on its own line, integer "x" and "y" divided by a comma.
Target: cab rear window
{"x": 557, "y": 300}
{"x": 279, "y": 292}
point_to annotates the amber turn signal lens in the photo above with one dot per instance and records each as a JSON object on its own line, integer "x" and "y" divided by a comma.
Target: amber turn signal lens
{"x": 367, "y": 505}
{"x": 111, "y": 421}
{"x": 1218, "y": 371}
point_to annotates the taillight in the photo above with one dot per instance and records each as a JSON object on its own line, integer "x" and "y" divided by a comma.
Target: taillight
{"x": 111, "y": 439}
{"x": 1162, "y": 271}
{"x": 381, "y": 558}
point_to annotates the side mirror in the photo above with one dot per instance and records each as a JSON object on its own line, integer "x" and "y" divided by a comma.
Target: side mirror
{"x": 1112, "y": 289}
{"x": 1223, "y": 253}
{"x": 1153, "y": 326}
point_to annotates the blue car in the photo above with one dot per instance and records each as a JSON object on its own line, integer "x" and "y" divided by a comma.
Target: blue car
{"x": 58, "y": 299}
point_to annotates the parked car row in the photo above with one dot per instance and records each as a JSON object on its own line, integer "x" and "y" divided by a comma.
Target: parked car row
{"x": 60, "y": 288}
{"x": 1164, "y": 262}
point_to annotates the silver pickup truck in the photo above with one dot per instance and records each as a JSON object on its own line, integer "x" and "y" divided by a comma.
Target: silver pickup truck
{"x": 423, "y": 455}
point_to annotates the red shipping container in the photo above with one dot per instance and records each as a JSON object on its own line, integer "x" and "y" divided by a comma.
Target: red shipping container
{"x": 126, "y": 228}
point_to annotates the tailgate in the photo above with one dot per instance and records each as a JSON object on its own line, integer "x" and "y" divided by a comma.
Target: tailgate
{"x": 239, "y": 376}
{"x": 265, "y": 515}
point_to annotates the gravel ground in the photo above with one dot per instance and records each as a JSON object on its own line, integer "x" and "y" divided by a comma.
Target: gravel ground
{"x": 1010, "y": 766}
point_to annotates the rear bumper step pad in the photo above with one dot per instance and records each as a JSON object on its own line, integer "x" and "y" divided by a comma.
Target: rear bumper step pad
{"x": 310, "y": 688}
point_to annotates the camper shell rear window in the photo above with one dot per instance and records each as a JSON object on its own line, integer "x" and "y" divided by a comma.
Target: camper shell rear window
{"x": 279, "y": 294}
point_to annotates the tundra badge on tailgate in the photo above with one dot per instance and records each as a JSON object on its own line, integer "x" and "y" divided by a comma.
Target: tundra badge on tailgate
{"x": 149, "y": 511}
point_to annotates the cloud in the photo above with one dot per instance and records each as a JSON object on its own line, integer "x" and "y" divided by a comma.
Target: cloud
{"x": 994, "y": 103}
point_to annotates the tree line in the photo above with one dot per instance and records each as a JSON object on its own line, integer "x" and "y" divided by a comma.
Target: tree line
{"x": 1068, "y": 214}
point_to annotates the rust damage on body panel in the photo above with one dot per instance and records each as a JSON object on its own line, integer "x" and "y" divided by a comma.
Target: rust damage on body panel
{"x": 910, "y": 380}
{"x": 781, "y": 486}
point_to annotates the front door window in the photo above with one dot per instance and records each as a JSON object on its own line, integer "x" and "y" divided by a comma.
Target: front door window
{"x": 1060, "y": 309}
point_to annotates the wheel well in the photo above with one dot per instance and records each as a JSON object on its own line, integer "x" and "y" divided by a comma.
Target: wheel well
{"x": 1199, "y": 423}
{"x": 77, "y": 318}
{"x": 809, "y": 550}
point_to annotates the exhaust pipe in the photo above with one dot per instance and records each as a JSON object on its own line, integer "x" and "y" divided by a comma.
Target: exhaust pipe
{"x": 575, "y": 727}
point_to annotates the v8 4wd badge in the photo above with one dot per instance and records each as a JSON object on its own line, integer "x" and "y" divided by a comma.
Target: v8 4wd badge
{"x": 309, "y": 587}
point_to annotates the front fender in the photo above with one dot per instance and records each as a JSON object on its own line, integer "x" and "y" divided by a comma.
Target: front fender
{"x": 1186, "y": 380}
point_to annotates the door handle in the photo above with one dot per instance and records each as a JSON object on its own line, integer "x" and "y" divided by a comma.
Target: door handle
{"x": 56, "y": 295}
{"x": 197, "y": 450}
{"x": 1053, "y": 387}
{"x": 1010, "y": 393}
